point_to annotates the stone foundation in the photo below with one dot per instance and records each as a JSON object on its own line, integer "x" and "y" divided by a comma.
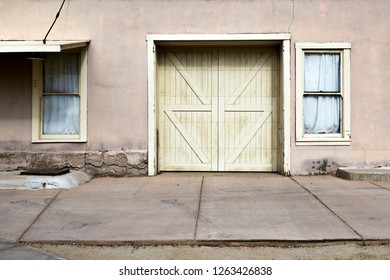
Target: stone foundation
{"x": 95, "y": 163}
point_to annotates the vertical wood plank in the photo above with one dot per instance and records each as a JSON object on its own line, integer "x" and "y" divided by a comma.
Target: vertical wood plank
{"x": 221, "y": 111}
{"x": 215, "y": 132}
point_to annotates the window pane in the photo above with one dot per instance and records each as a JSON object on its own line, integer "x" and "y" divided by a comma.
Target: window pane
{"x": 322, "y": 72}
{"x": 61, "y": 114}
{"x": 61, "y": 73}
{"x": 322, "y": 114}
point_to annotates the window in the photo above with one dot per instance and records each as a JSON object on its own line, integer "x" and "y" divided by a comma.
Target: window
{"x": 323, "y": 93}
{"x": 59, "y": 98}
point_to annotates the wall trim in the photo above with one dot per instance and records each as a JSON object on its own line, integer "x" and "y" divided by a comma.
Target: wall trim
{"x": 155, "y": 39}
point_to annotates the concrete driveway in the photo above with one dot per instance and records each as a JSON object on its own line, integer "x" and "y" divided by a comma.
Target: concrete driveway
{"x": 200, "y": 208}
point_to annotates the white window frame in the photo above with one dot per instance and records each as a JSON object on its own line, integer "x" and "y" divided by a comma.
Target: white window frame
{"x": 344, "y": 137}
{"x": 37, "y": 113}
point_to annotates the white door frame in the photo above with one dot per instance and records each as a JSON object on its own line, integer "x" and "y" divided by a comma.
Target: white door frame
{"x": 284, "y": 97}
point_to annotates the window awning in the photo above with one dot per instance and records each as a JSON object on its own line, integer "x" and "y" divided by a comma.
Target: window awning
{"x": 38, "y": 46}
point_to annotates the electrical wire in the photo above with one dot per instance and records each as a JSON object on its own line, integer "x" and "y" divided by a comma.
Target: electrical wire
{"x": 57, "y": 15}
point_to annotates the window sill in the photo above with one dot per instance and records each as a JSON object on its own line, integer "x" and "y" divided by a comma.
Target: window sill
{"x": 323, "y": 142}
{"x": 78, "y": 140}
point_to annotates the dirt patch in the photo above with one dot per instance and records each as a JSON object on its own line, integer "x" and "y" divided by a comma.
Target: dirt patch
{"x": 330, "y": 252}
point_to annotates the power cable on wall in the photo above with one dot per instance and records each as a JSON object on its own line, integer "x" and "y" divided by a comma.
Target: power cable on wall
{"x": 57, "y": 16}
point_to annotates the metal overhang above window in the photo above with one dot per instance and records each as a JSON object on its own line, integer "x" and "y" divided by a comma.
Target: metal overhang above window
{"x": 40, "y": 47}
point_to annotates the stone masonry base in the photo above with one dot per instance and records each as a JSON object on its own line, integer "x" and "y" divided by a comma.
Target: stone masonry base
{"x": 95, "y": 163}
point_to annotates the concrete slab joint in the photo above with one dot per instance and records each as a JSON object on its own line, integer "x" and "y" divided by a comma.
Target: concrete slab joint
{"x": 95, "y": 163}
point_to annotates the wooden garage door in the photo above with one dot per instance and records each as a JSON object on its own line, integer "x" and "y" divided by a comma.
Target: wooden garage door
{"x": 217, "y": 109}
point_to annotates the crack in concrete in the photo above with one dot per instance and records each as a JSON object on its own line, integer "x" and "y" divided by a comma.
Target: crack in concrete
{"x": 179, "y": 204}
{"x": 175, "y": 202}
{"x": 25, "y": 203}
{"x": 379, "y": 186}
{"x": 12, "y": 246}
{"x": 79, "y": 225}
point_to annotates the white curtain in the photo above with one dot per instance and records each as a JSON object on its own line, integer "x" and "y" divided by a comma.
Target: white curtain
{"x": 322, "y": 74}
{"x": 61, "y": 114}
{"x": 61, "y": 73}
{"x": 61, "y": 111}
{"x": 322, "y": 114}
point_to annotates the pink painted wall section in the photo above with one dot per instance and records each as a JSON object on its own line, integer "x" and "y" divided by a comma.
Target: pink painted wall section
{"x": 365, "y": 24}
{"x": 117, "y": 65}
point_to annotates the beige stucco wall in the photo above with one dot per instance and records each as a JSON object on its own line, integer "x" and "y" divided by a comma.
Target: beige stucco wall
{"x": 117, "y": 66}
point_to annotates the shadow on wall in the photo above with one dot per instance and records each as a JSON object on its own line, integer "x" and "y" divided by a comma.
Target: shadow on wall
{"x": 329, "y": 166}
{"x": 321, "y": 166}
